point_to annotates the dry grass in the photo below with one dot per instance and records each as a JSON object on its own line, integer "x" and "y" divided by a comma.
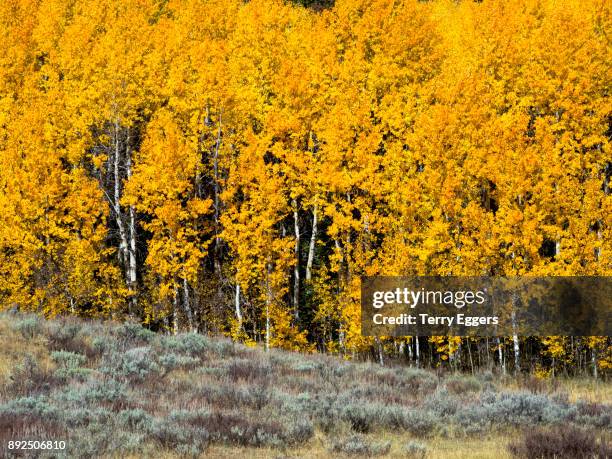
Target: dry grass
{"x": 589, "y": 389}
{"x": 493, "y": 447}
{"x": 14, "y": 348}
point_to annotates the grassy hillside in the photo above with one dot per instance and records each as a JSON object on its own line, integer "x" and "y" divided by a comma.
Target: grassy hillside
{"x": 118, "y": 390}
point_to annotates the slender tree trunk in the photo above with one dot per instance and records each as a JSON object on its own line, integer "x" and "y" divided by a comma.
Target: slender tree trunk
{"x": 417, "y": 351}
{"x": 127, "y": 247}
{"x": 132, "y": 274}
{"x": 132, "y": 262}
{"x": 517, "y": 358}
{"x": 175, "y": 318}
{"x": 598, "y": 249}
{"x": 341, "y": 341}
{"x": 296, "y": 269}
{"x": 457, "y": 359}
{"x": 123, "y": 243}
{"x": 217, "y": 262}
{"x": 470, "y": 354}
{"x": 268, "y": 304}
{"x": 379, "y": 350}
{"x": 606, "y": 181}
{"x": 501, "y": 356}
{"x": 311, "y": 247}
{"x": 237, "y": 305}
{"x": 515, "y": 340}
{"x": 187, "y": 305}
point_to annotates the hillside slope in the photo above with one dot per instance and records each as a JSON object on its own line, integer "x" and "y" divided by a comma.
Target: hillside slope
{"x": 119, "y": 390}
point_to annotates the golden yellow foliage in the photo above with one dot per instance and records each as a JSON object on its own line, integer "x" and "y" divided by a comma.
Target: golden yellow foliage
{"x": 237, "y": 166}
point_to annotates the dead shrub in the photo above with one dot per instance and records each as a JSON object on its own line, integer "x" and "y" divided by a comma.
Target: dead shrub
{"x": 29, "y": 378}
{"x": 566, "y": 442}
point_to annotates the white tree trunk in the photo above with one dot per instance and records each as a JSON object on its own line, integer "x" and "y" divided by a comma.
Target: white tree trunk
{"x": 187, "y": 305}
{"x": 311, "y": 247}
{"x": 501, "y": 356}
{"x": 515, "y": 340}
{"x": 379, "y": 349}
{"x": 237, "y": 305}
{"x": 123, "y": 243}
{"x": 175, "y": 319}
{"x": 131, "y": 278}
{"x": 268, "y": 304}
{"x": 296, "y": 269}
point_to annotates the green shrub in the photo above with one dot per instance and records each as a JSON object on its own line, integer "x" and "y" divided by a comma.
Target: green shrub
{"x": 226, "y": 348}
{"x": 104, "y": 390}
{"x": 304, "y": 367}
{"x": 415, "y": 450}
{"x": 361, "y": 416}
{"x": 172, "y": 361}
{"x": 394, "y": 417}
{"x": 69, "y": 365}
{"x": 326, "y": 411}
{"x": 68, "y": 360}
{"x": 132, "y": 334}
{"x": 232, "y": 429}
{"x": 136, "y": 419}
{"x": 29, "y": 326}
{"x": 35, "y": 406}
{"x": 64, "y": 336}
{"x": 417, "y": 380}
{"x": 173, "y": 436}
{"x": 299, "y": 431}
{"x": 135, "y": 364}
{"x": 192, "y": 344}
{"x": 84, "y": 416}
{"x": 102, "y": 440}
{"x": 103, "y": 344}
{"x": 441, "y": 403}
{"x": 514, "y": 409}
{"x": 294, "y": 405}
{"x": 420, "y": 423}
{"x": 357, "y": 445}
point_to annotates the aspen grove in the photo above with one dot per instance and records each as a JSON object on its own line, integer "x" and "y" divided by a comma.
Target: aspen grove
{"x": 233, "y": 167}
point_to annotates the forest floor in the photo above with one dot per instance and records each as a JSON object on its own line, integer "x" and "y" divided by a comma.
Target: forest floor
{"x": 119, "y": 390}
